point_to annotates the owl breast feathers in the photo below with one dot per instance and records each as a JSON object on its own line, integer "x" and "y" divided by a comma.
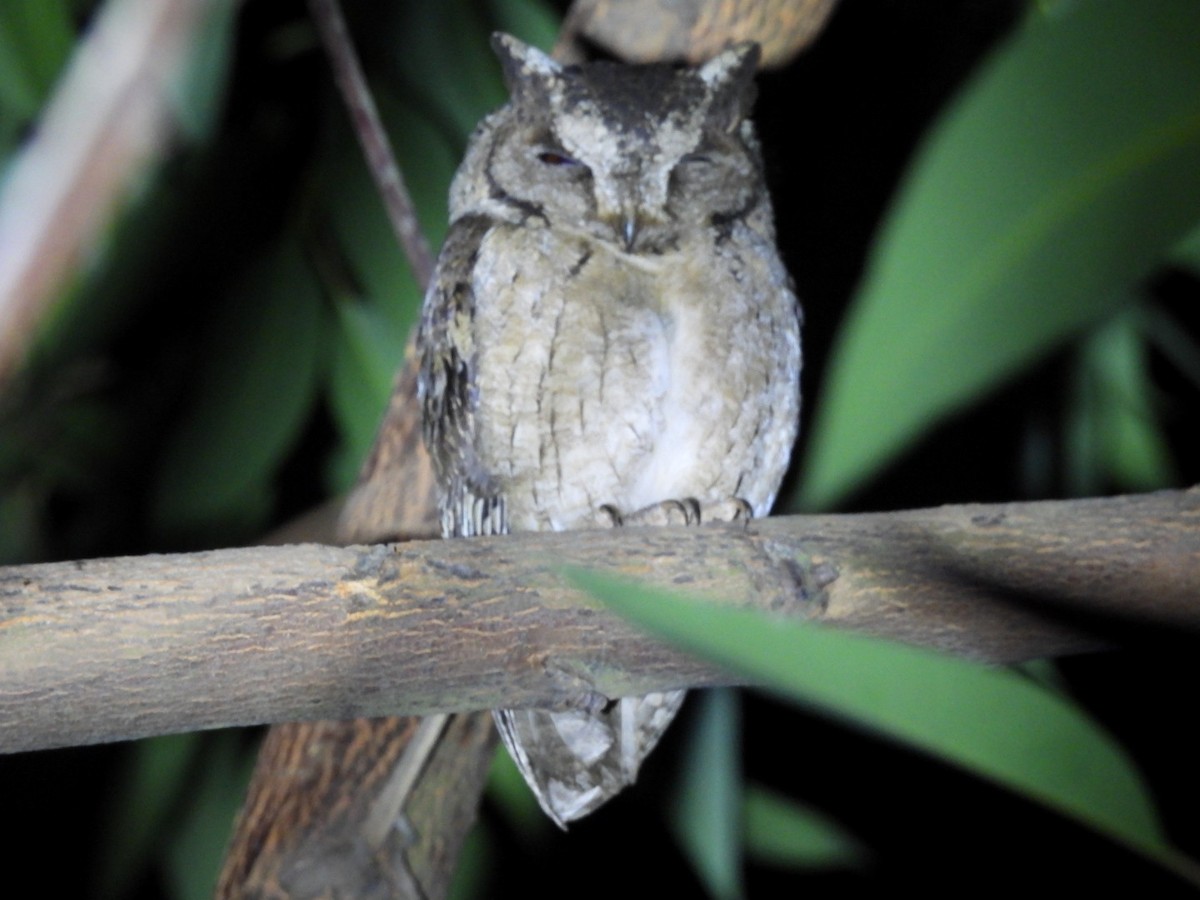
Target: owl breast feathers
{"x": 609, "y": 329}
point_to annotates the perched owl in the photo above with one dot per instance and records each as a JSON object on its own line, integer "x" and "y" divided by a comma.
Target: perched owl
{"x": 610, "y": 338}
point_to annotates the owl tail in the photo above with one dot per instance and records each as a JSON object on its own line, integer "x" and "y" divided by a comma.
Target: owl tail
{"x": 575, "y": 760}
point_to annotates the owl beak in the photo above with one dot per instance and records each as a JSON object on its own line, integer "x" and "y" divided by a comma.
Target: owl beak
{"x": 629, "y": 232}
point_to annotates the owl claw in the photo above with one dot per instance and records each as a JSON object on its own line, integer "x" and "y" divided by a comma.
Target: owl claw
{"x": 735, "y": 509}
{"x": 608, "y": 516}
{"x": 687, "y": 511}
{"x": 683, "y": 512}
{"x": 668, "y": 512}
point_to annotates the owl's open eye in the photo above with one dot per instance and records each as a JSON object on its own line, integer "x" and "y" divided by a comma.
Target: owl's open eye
{"x": 552, "y": 158}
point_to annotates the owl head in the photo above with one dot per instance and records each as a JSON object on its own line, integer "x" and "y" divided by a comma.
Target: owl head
{"x": 639, "y": 157}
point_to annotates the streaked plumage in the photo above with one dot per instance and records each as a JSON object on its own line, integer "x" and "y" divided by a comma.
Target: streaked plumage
{"x": 609, "y": 329}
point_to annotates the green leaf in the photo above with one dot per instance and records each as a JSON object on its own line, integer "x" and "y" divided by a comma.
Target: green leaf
{"x": 1187, "y": 252}
{"x": 1171, "y": 338}
{"x": 782, "y": 832}
{"x": 1114, "y": 436}
{"x": 531, "y": 21}
{"x": 254, "y": 387}
{"x": 35, "y": 40}
{"x": 478, "y": 857}
{"x": 455, "y": 30}
{"x": 367, "y": 351}
{"x": 153, "y": 783}
{"x": 21, "y": 515}
{"x": 198, "y": 846}
{"x": 706, "y": 814}
{"x": 364, "y": 234}
{"x": 507, "y": 788}
{"x": 1061, "y": 175}
{"x": 378, "y": 300}
{"x": 992, "y": 722}
{"x": 199, "y": 91}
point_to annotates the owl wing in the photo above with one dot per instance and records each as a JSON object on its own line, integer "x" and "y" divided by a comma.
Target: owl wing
{"x": 471, "y": 502}
{"x": 575, "y": 760}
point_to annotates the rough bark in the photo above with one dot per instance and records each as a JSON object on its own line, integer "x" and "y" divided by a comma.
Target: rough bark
{"x": 328, "y": 816}
{"x": 110, "y": 649}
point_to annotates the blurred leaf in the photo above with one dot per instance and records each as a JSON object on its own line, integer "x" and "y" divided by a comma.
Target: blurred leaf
{"x": 532, "y": 21}
{"x": 1187, "y": 251}
{"x": 449, "y": 68}
{"x": 18, "y": 97}
{"x": 21, "y": 510}
{"x": 706, "y": 813}
{"x": 782, "y": 832}
{"x": 381, "y": 300}
{"x": 255, "y": 384}
{"x": 356, "y": 214}
{"x": 196, "y": 850}
{"x": 154, "y": 782}
{"x": 992, "y": 722}
{"x": 429, "y": 160}
{"x": 36, "y": 37}
{"x": 475, "y": 860}
{"x": 507, "y": 788}
{"x": 104, "y": 295}
{"x": 366, "y": 353}
{"x": 144, "y": 232}
{"x": 1061, "y": 175}
{"x": 1171, "y": 339}
{"x": 200, "y": 90}
{"x": 1044, "y": 673}
{"x": 1115, "y": 439}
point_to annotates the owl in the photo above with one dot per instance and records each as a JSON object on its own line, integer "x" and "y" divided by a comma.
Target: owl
{"x": 609, "y": 339}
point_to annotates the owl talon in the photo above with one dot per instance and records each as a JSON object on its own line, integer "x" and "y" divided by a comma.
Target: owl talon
{"x": 668, "y": 512}
{"x": 608, "y": 516}
{"x": 735, "y": 509}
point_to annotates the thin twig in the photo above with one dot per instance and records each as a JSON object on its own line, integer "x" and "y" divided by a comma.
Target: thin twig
{"x": 375, "y": 143}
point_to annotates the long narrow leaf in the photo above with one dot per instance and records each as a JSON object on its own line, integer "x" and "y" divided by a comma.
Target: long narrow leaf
{"x": 253, "y": 391}
{"x": 1063, "y": 174}
{"x": 991, "y": 722}
{"x": 706, "y": 816}
{"x": 782, "y": 832}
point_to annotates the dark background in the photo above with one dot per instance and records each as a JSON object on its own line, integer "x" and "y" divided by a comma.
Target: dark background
{"x": 839, "y": 126}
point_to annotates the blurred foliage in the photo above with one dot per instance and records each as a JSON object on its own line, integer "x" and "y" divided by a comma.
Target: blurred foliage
{"x": 35, "y": 39}
{"x": 1025, "y": 326}
{"x": 144, "y": 795}
{"x": 1027, "y": 217}
{"x": 995, "y": 722}
{"x": 707, "y": 811}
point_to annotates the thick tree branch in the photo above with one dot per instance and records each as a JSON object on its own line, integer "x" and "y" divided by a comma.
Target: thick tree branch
{"x": 310, "y": 828}
{"x": 109, "y": 649}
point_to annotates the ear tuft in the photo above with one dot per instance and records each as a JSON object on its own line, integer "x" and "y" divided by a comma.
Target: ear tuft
{"x": 526, "y": 68}
{"x": 729, "y": 76}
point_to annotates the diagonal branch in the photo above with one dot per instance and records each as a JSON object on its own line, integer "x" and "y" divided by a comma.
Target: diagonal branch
{"x": 311, "y": 829}
{"x": 327, "y": 15}
{"x": 110, "y": 649}
{"x": 110, "y": 113}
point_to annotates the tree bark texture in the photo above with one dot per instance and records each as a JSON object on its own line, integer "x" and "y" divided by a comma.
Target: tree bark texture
{"x": 327, "y": 817}
{"x": 110, "y": 649}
